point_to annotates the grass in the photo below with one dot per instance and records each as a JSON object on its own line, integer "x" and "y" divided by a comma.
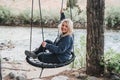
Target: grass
{"x": 80, "y": 52}
{"x": 111, "y": 57}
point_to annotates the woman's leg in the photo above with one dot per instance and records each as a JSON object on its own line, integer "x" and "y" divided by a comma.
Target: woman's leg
{"x": 42, "y": 49}
{"x": 48, "y": 58}
{"x": 35, "y": 53}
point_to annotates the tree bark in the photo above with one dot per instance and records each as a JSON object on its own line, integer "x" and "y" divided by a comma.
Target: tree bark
{"x": 95, "y": 37}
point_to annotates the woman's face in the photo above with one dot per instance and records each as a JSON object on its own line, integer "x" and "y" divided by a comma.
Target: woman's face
{"x": 64, "y": 28}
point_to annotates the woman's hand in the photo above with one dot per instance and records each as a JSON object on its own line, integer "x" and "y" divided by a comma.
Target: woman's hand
{"x": 61, "y": 11}
{"x": 44, "y": 44}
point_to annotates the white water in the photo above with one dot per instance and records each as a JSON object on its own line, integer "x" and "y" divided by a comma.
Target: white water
{"x": 20, "y": 38}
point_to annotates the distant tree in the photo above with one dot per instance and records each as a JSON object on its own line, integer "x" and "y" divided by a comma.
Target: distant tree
{"x": 72, "y": 4}
{"x": 95, "y": 37}
{"x": 109, "y": 22}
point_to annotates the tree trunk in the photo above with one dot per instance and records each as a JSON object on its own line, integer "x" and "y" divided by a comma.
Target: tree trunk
{"x": 95, "y": 37}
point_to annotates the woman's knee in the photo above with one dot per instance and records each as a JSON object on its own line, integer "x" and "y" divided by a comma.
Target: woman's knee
{"x": 40, "y": 57}
{"x": 49, "y": 41}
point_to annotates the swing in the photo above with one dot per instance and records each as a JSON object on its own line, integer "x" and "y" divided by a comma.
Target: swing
{"x": 36, "y": 62}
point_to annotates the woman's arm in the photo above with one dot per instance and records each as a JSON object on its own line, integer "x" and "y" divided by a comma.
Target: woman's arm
{"x": 62, "y": 16}
{"x": 62, "y": 46}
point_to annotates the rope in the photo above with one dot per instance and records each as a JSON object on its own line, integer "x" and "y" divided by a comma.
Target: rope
{"x": 60, "y": 15}
{"x": 41, "y": 19}
{"x": 70, "y": 9}
{"x": 62, "y": 5}
{"x": 31, "y": 25}
{"x": 73, "y": 34}
{"x": 42, "y": 33}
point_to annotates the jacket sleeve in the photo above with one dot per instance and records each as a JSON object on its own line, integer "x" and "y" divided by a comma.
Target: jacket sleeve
{"x": 63, "y": 45}
{"x": 62, "y": 16}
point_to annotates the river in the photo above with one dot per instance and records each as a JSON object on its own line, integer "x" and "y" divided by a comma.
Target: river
{"x": 19, "y": 37}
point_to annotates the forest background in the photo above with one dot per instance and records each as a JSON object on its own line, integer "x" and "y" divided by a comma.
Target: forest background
{"x": 18, "y": 13}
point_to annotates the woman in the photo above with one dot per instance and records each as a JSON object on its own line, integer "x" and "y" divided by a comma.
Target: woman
{"x": 60, "y": 49}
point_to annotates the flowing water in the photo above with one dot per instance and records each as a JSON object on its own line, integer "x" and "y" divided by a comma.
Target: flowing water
{"x": 19, "y": 37}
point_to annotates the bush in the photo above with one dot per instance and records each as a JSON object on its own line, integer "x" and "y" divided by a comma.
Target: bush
{"x": 112, "y": 61}
{"x": 23, "y": 18}
{"x": 112, "y": 17}
{"x": 5, "y": 15}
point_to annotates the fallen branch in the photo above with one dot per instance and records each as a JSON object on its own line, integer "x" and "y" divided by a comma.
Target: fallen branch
{"x": 11, "y": 62}
{"x": 15, "y": 69}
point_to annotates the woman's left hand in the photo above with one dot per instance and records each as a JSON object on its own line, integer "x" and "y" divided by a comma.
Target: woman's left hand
{"x": 44, "y": 44}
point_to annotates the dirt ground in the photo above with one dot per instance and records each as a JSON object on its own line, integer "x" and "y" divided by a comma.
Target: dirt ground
{"x": 27, "y": 70}
{"x": 32, "y": 73}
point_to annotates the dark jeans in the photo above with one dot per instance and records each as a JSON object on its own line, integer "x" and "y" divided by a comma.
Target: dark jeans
{"x": 46, "y": 57}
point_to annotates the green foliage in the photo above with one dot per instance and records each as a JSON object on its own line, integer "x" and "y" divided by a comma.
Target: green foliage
{"x": 5, "y": 15}
{"x": 10, "y": 18}
{"x": 109, "y": 22}
{"x": 53, "y": 14}
{"x": 25, "y": 16}
{"x": 73, "y": 3}
{"x": 112, "y": 17}
{"x": 76, "y": 16}
{"x": 80, "y": 52}
{"x": 77, "y": 13}
{"x": 111, "y": 57}
{"x": 112, "y": 61}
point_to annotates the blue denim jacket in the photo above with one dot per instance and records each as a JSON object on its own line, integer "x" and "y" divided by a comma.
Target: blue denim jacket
{"x": 62, "y": 48}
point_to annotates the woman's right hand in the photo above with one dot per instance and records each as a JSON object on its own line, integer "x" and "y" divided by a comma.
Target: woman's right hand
{"x": 44, "y": 44}
{"x": 61, "y": 11}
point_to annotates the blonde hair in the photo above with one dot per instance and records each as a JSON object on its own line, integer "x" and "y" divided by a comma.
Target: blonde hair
{"x": 70, "y": 26}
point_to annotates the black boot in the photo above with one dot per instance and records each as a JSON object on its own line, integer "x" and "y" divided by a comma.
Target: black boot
{"x": 31, "y": 54}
